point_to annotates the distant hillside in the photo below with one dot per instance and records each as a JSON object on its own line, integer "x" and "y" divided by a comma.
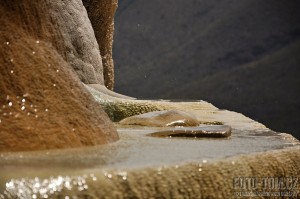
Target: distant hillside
{"x": 267, "y": 90}
{"x": 239, "y": 55}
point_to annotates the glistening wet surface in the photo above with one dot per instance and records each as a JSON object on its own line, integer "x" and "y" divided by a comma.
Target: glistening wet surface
{"x": 59, "y": 169}
{"x": 212, "y": 131}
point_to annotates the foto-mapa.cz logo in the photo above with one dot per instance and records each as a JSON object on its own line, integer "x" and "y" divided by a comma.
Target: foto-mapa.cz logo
{"x": 266, "y": 186}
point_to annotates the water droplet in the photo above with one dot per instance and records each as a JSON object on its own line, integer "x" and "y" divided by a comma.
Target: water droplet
{"x": 23, "y": 108}
{"x": 200, "y": 169}
{"x": 11, "y": 60}
{"x": 204, "y": 161}
{"x": 23, "y": 100}
{"x": 109, "y": 175}
{"x": 73, "y": 129}
{"x": 46, "y": 110}
{"x": 33, "y": 52}
{"x": 233, "y": 162}
{"x": 11, "y": 71}
{"x": 10, "y": 104}
{"x": 37, "y": 41}
{"x": 7, "y": 43}
{"x": 35, "y": 110}
{"x": 36, "y": 116}
{"x": 28, "y": 113}
{"x": 57, "y": 70}
{"x": 54, "y": 84}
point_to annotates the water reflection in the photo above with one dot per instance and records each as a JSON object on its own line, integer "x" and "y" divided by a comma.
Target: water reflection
{"x": 26, "y": 188}
{"x": 81, "y": 173}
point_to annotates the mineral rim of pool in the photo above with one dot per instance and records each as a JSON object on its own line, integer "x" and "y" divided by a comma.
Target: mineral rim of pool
{"x": 212, "y": 131}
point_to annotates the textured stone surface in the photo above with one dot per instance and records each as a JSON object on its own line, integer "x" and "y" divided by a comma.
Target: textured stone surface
{"x": 45, "y": 106}
{"x": 139, "y": 166}
{"x": 43, "y": 103}
{"x": 104, "y": 90}
{"x": 120, "y": 108}
{"x": 64, "y": 25}
{"x": 101, "y": 14}
{"x": 210, "y": 131}
{"x": 162, "y": 118}
{"x": 78, "y": 39}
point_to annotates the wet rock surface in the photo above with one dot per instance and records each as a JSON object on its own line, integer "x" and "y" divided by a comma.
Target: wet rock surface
{"x": 43, "y": 104}
{"x": 188, "y": 167}
{"x": 66, "y": 26}
{"x": 101, "y": 14}
{"x": 213, "y": 131}
{"x": 162, "y": 118}
{"x": 105, "y": 91}
{"x": 80, "y": 47}
{"x": 119, "y": 108}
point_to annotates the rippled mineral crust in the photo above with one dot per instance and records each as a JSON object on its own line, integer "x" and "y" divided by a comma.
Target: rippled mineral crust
{"x": 48, "y": 95}
{"x": 162, "y": 118}
{"x": 43, "y": 103}
{"x": 211, "y": 131}
{"x": 140, "y": 166}
{"x": 101, "y": 13}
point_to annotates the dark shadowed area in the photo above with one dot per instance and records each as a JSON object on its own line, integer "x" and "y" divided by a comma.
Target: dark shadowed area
{"x": 238, "y": 55}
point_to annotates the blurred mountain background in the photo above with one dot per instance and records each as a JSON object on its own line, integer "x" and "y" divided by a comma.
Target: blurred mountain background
{"x": 239, "y": 55}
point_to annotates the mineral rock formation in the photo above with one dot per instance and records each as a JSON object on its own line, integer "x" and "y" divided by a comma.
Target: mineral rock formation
{"x": 80, "y": 46}
{"x": 162, "y": 118}
{"x": 210, "y": 131}
{"x": 119, "y": 108}
{"x": 64, "y": 25}
{"x": 103, "y": 90}
{"x": 101, "y": 14}
{"x": 43, "y": 103}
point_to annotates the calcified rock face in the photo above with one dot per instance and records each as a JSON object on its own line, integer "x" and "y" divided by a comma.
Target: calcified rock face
{"x": 101, "y": 14}
{"x": 69, "y": 29}
{"x": 162, "y": 118}
{"x": 209, "y": 131}
{"x": 81, "y": 49}
{"x": 43, "y": 102}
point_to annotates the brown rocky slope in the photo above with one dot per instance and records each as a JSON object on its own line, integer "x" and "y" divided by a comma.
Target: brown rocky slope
{"x": 43, "y": 103}
{"x": 101, "y": 14}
